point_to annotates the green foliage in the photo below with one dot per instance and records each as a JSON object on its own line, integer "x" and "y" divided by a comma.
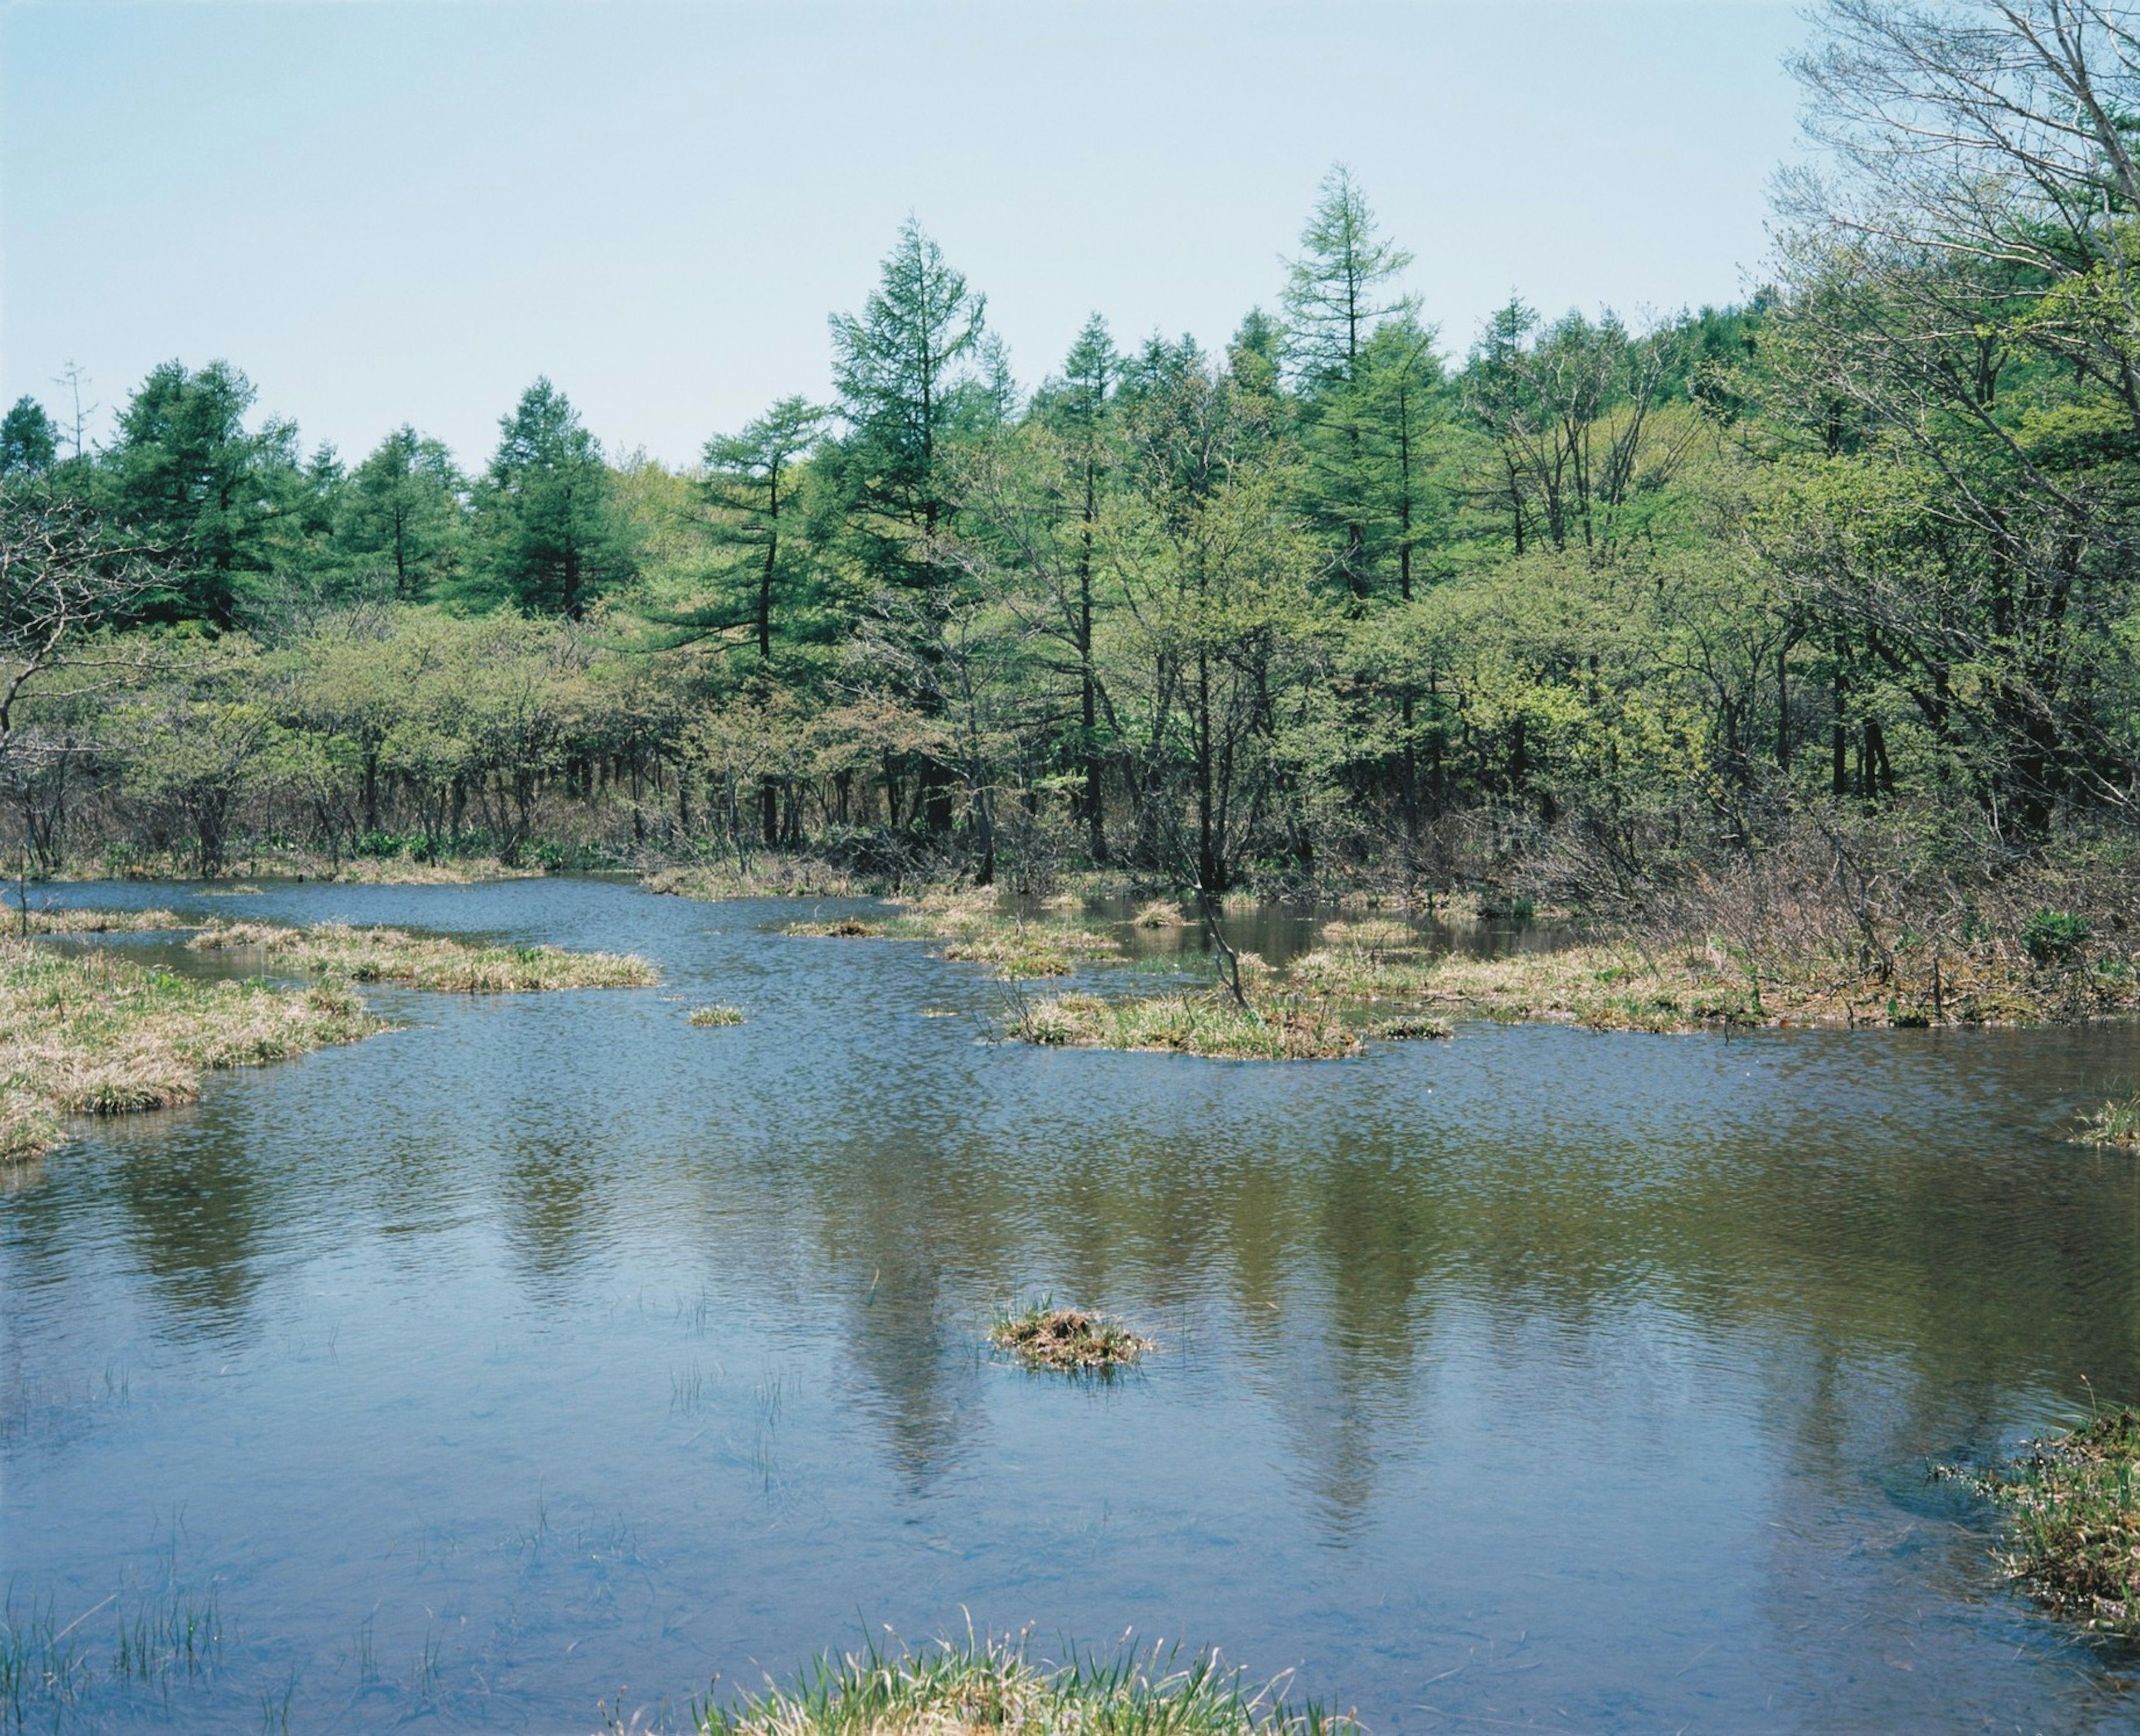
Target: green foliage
{"x": 188, "y": 478}
{"x": 402, "y": 514}
{"x": 2055, "y": 937}
{"x": 29, "y": 439}
{"x": 553, "y": 540}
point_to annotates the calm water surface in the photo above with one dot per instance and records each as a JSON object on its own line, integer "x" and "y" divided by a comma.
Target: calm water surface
{"x": 551, "y": 1355}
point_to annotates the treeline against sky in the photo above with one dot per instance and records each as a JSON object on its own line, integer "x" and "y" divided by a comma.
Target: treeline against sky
{"x": 1348, "y": 597}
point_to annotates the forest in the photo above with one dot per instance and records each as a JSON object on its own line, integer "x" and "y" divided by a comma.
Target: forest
{"x": 1828, "y": 592}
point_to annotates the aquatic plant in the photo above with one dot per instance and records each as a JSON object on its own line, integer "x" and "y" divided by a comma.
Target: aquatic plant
{"x": 716, "y": 1016}
{"x": 1043, "y": 1335}
{"x": 1159, "y": 913}
{"x": 1408, "y": 1028}
{"x": 440, "y": 962}
{"x": 2117, "y": 1123}
{"x": 961, "y": 1687}
{"x": 2071, "y": 1505}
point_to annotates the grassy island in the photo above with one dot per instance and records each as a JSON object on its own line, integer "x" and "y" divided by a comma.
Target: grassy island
{"x": 959, "y": 1689}
{"x": 419, "y": 961}
{"x": 95, "y": 1034}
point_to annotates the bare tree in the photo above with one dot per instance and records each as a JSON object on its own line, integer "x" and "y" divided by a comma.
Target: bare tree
{"x": 61, "y": 577}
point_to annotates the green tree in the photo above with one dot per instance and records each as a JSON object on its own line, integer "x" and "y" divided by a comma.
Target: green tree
{"x": 1338, "y": 292}
{"x": 29, "y": 439}
{"x": 402, "y": 512}
{"x": 750, "y": 490}
{"x": 913, "y": 374}
{"x": 553, "y": 539}
{"x": 186, "y": 478}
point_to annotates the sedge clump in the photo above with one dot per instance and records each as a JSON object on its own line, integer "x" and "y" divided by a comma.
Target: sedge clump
{"x": 1046, "y": 1337}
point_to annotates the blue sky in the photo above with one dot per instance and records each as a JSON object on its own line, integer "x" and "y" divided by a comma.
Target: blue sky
{"x": 405, "y": 211}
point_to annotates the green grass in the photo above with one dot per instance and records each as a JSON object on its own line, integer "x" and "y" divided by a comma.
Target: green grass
{"x": 716, "y": 1015}
{"x": 2072, "y": 1509}
{"x": 982, "y": 1687}
{"x": 1208, "y": 1023}
{"x": 1043, "y": 1335}
{"x": 1408, "y": 1028}
{"x": 2117, "y": 1123}
{"x": 437, "y": 962}
{"x": 839, "y": 927}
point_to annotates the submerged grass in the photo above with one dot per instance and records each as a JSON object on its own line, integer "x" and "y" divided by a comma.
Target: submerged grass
{"x": 990, "y": 1686}
{"x": 2072, "y": 1509}
{"x": 95, "y": 1034}
{"x": 716, "y": 1015}
{"x": 438, "y": 962}
{"x": 1043, "y": 1335}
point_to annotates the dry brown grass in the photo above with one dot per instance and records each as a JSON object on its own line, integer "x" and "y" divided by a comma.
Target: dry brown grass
{"x": 766, "y": 877}
{"x": 420, "y": 961}
{"x": 83, "y": 920}
{"x": 95, "y": 1034}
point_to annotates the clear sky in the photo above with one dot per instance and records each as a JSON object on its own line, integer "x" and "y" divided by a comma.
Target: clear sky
{"x": 394, "y": 211}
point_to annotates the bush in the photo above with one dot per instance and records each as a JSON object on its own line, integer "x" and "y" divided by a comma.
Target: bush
{"x": 2054, "y": 937}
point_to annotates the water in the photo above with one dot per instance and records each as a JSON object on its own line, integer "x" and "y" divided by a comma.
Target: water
{"x": 548, "y": 1357}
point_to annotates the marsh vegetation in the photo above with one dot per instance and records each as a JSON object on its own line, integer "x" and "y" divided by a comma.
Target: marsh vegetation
{"x": 442, "y": 963}
{"x": 92, "y": 1034}
{"x": 2070, "y": 1504}
{"x": 956, "y": 1688}
{"x": 1044, "y": 1336}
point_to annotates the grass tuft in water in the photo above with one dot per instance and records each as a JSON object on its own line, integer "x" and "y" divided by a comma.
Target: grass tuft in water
{"x": 1210, "y": 1024}
{"x": 1159, "y": 913}
{"x": 716, "y": 1015}
{"x": 2072, "y": 1507}
{"x": 82, "y": 919}
{"x": 2117, "y": 1123}
{"x": 965, "y": 1689}
{"x": 1046, "y": 1337}
{"x": 841, "y": 928}
{"x": 439, "y": 963}
{"x": 1407, "y": 1027}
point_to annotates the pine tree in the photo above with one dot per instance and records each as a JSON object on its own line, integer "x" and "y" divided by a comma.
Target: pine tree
{"x": 554, "y": 538}
{"x": 402, "y": 511}
{"x": 1338, "y": 292}
{"x": 29, "y": 440}
{"x": 914, "y": 375}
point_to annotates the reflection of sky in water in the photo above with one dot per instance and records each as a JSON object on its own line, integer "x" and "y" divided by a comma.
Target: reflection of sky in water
{"x": 1542, "y": 1376}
